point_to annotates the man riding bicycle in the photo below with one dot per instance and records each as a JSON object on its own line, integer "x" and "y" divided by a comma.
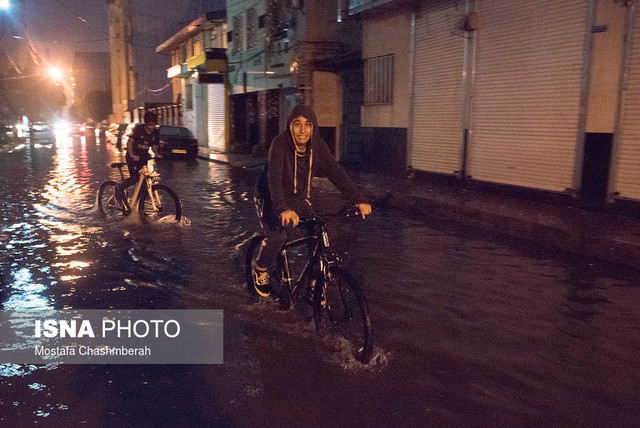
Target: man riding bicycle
{"x": 142, "y": 137}
{"x": 283, "y": 191}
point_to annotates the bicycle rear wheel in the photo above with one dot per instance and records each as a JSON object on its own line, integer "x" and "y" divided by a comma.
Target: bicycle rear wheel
{"x": 339, "y": 307}
{"x": 165, "y": 204}
{"x": 107, "y": 204}
{"x": 253, "y": 247}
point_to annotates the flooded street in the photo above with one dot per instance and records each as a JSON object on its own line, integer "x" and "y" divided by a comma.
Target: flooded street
{"x": 469, "y": 329}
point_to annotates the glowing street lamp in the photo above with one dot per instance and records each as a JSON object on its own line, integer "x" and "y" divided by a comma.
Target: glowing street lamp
{"x": 54, "y": 72}
{"x": 4, "y": 4}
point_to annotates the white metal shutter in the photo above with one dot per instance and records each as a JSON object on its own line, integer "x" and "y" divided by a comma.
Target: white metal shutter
{"x": 527, "y": 92}
{"x": 627, "y": 174}
{"x": 437, "y": 109}
{"x": 215, "y": 122}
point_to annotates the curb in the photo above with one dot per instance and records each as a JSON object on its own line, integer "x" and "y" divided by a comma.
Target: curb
{"x": 585, "y": 236}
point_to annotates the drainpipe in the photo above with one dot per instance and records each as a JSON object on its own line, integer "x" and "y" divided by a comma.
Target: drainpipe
{"x": 584, "y": 97}
{"x": 622, "y": 92}
{"x": 468, "y": 73}
{"x": 412, "y": 55}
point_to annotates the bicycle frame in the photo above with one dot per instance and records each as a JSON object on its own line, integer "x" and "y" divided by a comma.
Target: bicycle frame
{"x": 320, "y": 243}
{"x": 150, "y": 178}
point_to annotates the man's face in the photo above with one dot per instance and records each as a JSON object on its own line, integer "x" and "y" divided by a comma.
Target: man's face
{"x": 150, "y": 127}
{"x": 301, "y": 129}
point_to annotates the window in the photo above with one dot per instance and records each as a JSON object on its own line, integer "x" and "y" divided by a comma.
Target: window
{"x": 378, "y": 80}
{"x": 197, "y": 46}
{"x": 175, "y": 131}
{"x": 213, "y": 39}
{"x": 238, "y": 39}
{"x": 188, "y": 96}
{"x": 252, "y": 28}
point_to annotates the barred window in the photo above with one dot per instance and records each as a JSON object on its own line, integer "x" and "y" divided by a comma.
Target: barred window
{"x": 252, "y": 28}
{"x": 238, "y": 33}
{"x": 378, "y": 80}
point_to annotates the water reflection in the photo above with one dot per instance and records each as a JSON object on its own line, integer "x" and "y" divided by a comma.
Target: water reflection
{"x": 467, "y": 326}
{"x": 26, "y": 293}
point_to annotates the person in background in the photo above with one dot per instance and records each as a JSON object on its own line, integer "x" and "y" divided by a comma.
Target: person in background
{"x": 142, "y": 137}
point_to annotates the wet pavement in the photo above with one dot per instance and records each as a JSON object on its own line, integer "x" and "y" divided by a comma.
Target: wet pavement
{"x": 470, "y": 329}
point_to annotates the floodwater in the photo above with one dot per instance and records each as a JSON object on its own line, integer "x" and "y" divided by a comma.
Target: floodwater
{"x": 470, "y": 329}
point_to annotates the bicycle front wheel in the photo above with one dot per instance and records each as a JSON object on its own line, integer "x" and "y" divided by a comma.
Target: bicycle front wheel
{"x": 163, "y": 205}
{"x": 107, "y": 204}
{"x": 339, "y": 307}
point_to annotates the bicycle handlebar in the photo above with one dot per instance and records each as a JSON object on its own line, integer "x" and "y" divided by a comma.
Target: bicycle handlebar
{"x": 345, "y": 212}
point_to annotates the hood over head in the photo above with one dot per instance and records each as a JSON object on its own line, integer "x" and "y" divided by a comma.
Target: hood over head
{"x": 307, "y": 112}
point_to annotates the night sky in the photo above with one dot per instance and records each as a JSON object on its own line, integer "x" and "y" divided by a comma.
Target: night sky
{"x": 58, "y": 28}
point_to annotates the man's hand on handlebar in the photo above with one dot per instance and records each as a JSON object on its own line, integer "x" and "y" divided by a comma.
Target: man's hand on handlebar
{"x": 290, "y": 216}
{"x": 365, "y": 209}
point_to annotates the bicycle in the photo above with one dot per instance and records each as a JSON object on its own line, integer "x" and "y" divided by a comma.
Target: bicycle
{"x": 339, "y": 305}
{"x": 153, "y": 200}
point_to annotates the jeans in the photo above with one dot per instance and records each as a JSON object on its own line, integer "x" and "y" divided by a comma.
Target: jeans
{"x": 275, "y": 234}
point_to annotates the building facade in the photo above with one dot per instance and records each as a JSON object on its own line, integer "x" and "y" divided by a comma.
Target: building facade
{"x": 284, "y": 52}
{"x": 524, "y": 93}
{"x": 198, "y": 78}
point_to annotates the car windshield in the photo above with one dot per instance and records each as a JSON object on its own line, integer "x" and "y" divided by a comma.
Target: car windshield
{"x": 175, "y": 131}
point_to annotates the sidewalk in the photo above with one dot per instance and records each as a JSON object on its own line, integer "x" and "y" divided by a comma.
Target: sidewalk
{"x": 608, "y": 237}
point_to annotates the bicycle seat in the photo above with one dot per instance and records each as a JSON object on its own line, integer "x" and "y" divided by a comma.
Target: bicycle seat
{"x": 118, "y": 164}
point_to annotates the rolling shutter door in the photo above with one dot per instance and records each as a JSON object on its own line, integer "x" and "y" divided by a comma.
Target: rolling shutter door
{"x": 437, "y": 111}
{"x": 215, "y": 122}
{"x": 525, "y": 113}
{"x": 627, "y": 178}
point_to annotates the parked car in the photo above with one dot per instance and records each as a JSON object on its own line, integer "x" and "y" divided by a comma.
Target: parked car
{"x": 177, "y": 140}
{"x": 41, "y": 131}
{"x": 7, "y": 130}
{"x": 114, "y": 134}
{"x": 82, "y": 129}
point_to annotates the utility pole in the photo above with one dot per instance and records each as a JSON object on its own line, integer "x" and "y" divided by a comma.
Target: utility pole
{"x": 122, "y": 54}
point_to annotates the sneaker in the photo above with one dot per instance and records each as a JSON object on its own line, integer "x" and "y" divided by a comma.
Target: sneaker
{"x": 261, "y": 282}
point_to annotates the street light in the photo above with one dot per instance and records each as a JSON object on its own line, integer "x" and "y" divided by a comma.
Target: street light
{"x": 55, "y": 73}
{"x": 4, "y": 4}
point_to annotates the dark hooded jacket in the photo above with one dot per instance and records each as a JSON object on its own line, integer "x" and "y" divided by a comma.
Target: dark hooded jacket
{"x": 286, "y": 180}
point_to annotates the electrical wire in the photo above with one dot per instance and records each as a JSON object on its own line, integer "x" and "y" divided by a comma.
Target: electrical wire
{"x": 72, "y": 12}
{"x": 153, "y": 91}
{"x": 13, "y": 63}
